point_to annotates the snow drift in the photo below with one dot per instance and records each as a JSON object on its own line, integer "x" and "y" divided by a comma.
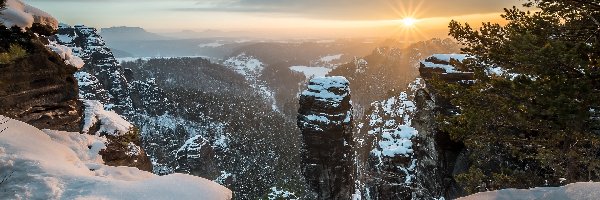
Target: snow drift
{"x": 62, "y": 165}
{"x": 23, "y": 15}
{"x": 66, "y": 53}
{"x": 581, "y": 191}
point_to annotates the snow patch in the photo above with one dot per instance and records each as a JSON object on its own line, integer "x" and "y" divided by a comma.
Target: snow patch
{"x": 448, "y": 57}
{"x": 397, "y": 141}
{"x": 319, "y": 88}
{"x": 311, "y": 72}
{"x": 211, "y": 45}
{"x": 66, "y": 53}
{"x": 445, "y": 58}
{"x": 110, "y": 122}
{"x": 223, "y": 177}
{"x": 281, "y": 194}
{"x": 447, "y": 68}
{"x": 331, "y": 58}
{"x": 245, "y": 65}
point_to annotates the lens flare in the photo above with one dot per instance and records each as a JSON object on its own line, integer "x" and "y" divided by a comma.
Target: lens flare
{"x": 409, "y": 22}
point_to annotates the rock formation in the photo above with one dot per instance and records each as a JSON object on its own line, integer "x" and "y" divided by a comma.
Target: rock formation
{"x": 102, "y": 83}
{"x": 325, "y": 119}
{"x": 196, "y": 157}
{"x": 106, "y": 78}
{"x": 389, "y": 153}
{"x": 39, "y": 88}
{"x": 438, "y": 147}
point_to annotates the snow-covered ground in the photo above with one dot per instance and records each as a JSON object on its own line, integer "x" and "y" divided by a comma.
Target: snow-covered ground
{"x": 246, "y": 65}
{"x": 311, "y": 72}
{"x": 251, "y": 68}
{"x": 331, "y": 58}
{"x": 580, "y": 191}
{"x": 211, "y": 44}
{"x": 48, "y": 164}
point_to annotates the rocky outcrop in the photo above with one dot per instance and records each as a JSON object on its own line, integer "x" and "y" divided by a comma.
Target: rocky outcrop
{"x": 103, "y": 76}
{"x": 428, "y": 178}
{"x": 401, "y": 153}
{"x": 39, "y": 89}
{"x": 123, "y": 140}
{"x": 389, "y": 153}
{"x": 447, "y": 67}
{"x": 196, "y": 157}
{"x": 125, "y": 150}
{"x": 102, "y": 83}
{"x": 436, "y": 145}
{"x": 325, "y": 119}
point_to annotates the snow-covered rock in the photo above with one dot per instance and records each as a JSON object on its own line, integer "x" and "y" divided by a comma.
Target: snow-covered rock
{"x": 85, "y": 43}
{"x": 66, "y": 54}
{"x": 391, "y": 122}
{"x": 442, "y": 61}
{"x": 332, "y": 90}
{"x": 110, "y": 122}
{"x": 62, "y": 165}
{"x": 23, "y": 15}
{"x": 325, "y": 119}
{"x": 448, "y": 67}
{"x": 394, "y": 147}
{"x": 89, "y": 82}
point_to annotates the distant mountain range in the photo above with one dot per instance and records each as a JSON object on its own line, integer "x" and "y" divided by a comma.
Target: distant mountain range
{"x": 124, "y": 33}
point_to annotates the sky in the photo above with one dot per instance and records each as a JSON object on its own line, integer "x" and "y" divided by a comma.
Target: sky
{"x": 294, "y": 18}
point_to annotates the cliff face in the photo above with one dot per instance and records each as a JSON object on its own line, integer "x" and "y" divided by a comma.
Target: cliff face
{"x": 401, "y": 154}
{"x": 394, "y": 153}
{"x": 325, "y": 119}
{"x": 196, "y": 157}
{"x": 104, "y": 79}
{"x": 39, "y": 89}
{"x": 450, "y": 157}
{"x": 103, "y": 84}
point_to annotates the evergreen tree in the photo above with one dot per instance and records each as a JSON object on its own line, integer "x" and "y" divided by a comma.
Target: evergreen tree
{"x": 535, "y": 124}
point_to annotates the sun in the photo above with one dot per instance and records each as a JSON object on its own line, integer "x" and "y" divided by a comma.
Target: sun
{"x": 409, "y": 22}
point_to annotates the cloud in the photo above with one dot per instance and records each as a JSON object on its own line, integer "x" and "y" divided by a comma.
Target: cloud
{"x": 355, "y": 9}
{"x": 330, "y": 9}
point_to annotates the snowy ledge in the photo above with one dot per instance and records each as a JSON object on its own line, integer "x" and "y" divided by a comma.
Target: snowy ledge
{"x": 321, "y": 88}
{"x": 442, "y": 61}
{"x": 66, "y": 53}
{"x": 581, "y": 190}
{"x": 62, "y": 165}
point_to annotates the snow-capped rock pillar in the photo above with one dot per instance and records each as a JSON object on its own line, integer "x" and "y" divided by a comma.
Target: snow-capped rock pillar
{"x": 325, "y": 119}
